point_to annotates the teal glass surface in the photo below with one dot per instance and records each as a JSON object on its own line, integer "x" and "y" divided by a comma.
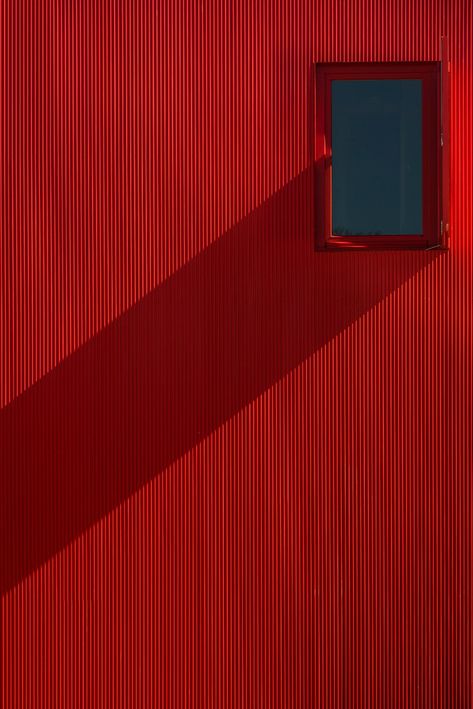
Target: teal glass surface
{"x": 376, "y": 157}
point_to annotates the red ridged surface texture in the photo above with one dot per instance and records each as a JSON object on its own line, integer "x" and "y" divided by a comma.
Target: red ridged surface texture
{"x": 233, "y": 471}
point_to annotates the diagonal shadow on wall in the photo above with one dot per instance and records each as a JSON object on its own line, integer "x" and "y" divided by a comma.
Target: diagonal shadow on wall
{"x": 174, "y": 367}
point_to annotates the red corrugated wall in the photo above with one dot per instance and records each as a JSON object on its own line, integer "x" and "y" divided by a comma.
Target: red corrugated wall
{"x": 234, "y": 471}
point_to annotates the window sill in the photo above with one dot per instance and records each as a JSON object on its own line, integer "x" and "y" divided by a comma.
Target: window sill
{"x": 329, "y": 248}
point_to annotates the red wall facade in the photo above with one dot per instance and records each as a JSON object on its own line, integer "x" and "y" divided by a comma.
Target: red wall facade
{"x": 234, "y": 471}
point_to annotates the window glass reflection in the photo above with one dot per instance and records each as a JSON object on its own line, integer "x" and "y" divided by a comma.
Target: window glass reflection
{"x": 376, "y": 157}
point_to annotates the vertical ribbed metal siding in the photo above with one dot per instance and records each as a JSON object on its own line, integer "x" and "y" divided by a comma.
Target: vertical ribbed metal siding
{"x": 305, "y": 539}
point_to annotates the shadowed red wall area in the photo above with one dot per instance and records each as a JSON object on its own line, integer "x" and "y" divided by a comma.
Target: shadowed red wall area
{"x": 234, "y": 471}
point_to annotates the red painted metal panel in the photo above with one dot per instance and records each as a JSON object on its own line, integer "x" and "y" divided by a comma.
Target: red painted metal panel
{"x": 233, "y": 471}
{"x": 445, "y": 92}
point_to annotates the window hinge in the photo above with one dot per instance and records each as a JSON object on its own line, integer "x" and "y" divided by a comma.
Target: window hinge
{"x": 441, "y": 228}
{"x": 441, "y": 140}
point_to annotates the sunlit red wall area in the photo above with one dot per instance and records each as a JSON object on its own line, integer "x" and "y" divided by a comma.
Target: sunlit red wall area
{"x": 234, "y": 471}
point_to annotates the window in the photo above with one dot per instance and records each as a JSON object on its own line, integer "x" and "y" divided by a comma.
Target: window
{"x": 379, "y": 174}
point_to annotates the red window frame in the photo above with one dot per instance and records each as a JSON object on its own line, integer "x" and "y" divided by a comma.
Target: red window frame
{"x": 434, "y": 224}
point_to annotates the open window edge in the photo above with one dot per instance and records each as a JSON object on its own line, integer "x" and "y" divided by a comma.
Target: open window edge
{"x": 438, "y": 239}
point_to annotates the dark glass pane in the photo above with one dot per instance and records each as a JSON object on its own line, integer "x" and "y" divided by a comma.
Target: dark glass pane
{"x": 377, "y": 157}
